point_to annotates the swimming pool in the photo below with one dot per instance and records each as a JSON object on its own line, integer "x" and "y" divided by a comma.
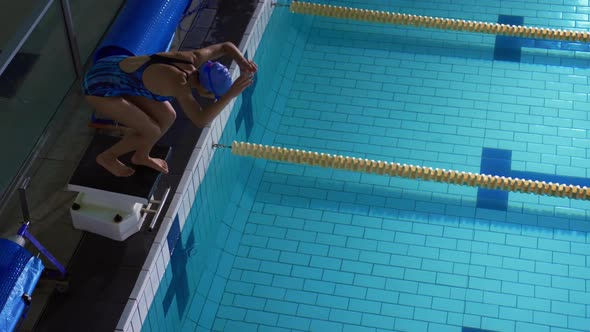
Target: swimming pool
{"x": 271, "y": 246}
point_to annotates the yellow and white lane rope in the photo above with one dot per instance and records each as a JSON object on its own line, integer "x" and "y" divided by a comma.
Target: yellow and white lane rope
{"x": 301, "y": 7}
{"x": 303, "y": 157}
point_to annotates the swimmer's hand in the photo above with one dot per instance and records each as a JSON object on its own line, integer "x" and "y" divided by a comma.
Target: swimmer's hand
{"x": 244, "y": 81}
{"x": 248, "y": 66}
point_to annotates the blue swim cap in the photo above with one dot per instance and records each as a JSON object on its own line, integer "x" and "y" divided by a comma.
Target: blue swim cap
{"x": 215, "y": 77}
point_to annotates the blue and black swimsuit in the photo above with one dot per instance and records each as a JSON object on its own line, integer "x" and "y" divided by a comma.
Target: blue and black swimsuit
{"x": 107, "y": 79}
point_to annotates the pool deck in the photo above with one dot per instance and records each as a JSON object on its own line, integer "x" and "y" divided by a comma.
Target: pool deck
{"x": 103, "y": 272}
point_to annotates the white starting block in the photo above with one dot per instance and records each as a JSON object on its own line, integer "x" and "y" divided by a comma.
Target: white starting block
{"x": 111, "y": 206}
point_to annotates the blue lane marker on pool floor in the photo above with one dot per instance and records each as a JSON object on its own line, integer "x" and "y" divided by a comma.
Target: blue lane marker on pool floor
{"x": 474, "y": 329}
{"x": 508, "y": 48}
{"x": 498, "y": 162}
{"x": 179, "y": 285}
{"x": 173, "y": 235}
{"x": 494, "y": 162}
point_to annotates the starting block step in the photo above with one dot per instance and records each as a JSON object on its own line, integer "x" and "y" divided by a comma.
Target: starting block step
{"x": 116, "y": 224}
{"x": 90, "y": 177}
{"x": 108, "y": 205}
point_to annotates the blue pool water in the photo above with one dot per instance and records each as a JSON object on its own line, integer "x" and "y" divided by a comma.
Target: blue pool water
{"x": 277, "y": 247}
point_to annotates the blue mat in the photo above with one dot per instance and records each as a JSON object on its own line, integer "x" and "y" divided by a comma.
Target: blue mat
{"x": 143, "y": 27}
{"x": 19, "y": 273}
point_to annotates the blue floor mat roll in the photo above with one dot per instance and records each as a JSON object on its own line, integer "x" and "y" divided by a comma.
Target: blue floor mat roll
{"x": 19, "y": 273}
{"x": 143, "y": 27}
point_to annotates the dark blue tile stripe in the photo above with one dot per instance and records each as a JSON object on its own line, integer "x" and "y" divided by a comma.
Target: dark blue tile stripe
{"x": 492, "y": 199}
{"x": 179, "y": 283}
{"x": 510, "y": 19}
{"x": 474, "y": 329}
{"x": 508, "y": 48}
{"x": 494, "y": 162}
{"x": 173, "y": 234}
{"x": 498, "y": 162}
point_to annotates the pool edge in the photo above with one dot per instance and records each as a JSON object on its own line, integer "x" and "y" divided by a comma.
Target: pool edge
{"x": 154, "y": 267}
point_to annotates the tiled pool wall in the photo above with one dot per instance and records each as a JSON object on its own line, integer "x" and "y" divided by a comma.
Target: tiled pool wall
{"x": 204, "y": 202}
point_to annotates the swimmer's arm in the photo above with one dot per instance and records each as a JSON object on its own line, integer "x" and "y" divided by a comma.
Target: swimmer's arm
{"x": 201, "y": 116}
{"x": 215, "y": 51}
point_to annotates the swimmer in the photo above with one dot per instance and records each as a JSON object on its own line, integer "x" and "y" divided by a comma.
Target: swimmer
{"x": 135, "y": 91}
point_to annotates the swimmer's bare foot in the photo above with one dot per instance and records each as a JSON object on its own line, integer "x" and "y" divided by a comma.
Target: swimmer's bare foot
{"x": 113, "y": 165}
{"x": 158, "y": 164}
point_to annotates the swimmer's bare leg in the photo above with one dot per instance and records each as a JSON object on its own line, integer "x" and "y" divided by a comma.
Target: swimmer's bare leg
{"x": 113, "y": 165}
{"x": 163, "y": 115}
{"x": 144, "y": 134}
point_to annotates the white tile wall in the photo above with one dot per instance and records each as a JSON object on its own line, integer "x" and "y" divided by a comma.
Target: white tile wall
{"x": 167, "y": 221}
{"x": 152, "y": 254}
{"x": 165, "y": 253}
{"x": 160, "y": 267}
{"x": 153, "y": 270}
{"x": 136, "y": 322}
{"x": 142, "y": 307}
{"x": 140, "y": 284}
{"x": 192, "y": 162}
{"x": 171, "y": 213}
{"x": 128, "y": 311}
{"x": 183, "y": 183}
